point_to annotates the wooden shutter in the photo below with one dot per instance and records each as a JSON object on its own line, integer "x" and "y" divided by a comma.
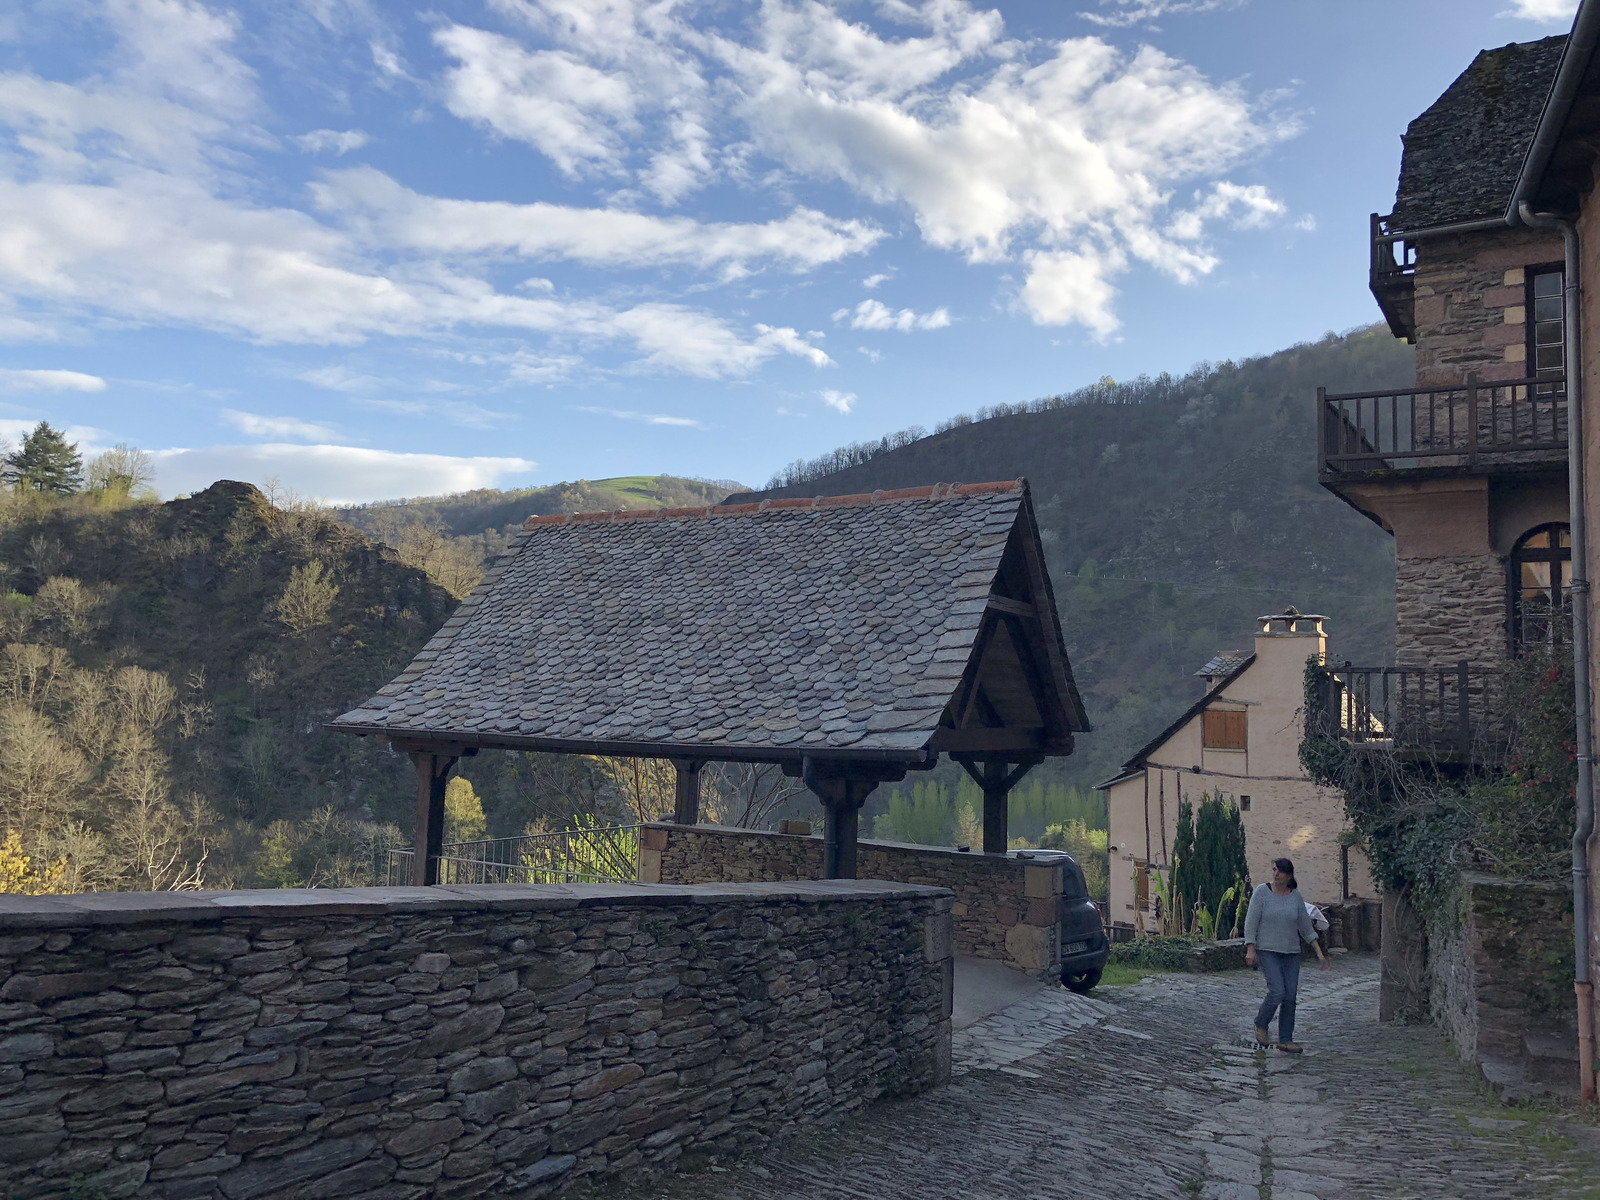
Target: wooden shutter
{"x": 1141, "y": 883}
{"x": 1223, "y": 730}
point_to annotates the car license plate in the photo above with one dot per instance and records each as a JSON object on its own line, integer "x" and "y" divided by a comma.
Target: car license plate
{"x": 1075, "y": 947}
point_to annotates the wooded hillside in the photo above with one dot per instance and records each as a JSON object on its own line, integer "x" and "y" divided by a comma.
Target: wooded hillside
{"x": 1174, "y": 512}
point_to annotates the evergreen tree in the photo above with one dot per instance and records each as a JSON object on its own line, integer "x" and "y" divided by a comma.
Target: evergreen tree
{"x": 45, "y": 462}
{"x": 1210, "y": 851}
{"x": 1183, "y": 876}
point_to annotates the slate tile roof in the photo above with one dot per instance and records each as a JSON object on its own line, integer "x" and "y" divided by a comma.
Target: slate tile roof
{"x": 1463, "y": 155}
{"x": 763, "y": 630}
{"x": 1223, "y": 663}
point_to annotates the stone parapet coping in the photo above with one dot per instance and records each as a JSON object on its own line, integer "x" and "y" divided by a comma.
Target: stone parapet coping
{"x": 1023, "y": 858}
{"x": 136, "y": 908}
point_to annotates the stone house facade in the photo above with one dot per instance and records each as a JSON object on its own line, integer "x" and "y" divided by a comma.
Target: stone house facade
{"x": 1241, "y": 739}
{"x": 1467, "y": 470}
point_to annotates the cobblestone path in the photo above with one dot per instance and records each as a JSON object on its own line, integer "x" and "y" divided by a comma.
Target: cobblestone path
{"x": 1156, "y": 1091}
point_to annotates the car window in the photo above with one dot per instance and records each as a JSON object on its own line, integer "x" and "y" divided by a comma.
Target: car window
{"x": 1072, "y": 884}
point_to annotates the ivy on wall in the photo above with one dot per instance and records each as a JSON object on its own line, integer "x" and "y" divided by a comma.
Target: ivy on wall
{"x": 1422, "y": 824}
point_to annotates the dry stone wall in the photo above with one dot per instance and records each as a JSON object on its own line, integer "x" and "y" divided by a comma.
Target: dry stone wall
{"x": 453, "y": 1041}
{"x": 1005, "y": 908}
{"x": 1449, "y": 609}
{"x": 1504, "y": 975}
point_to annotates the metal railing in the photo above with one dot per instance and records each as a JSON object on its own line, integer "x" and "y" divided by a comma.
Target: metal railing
{"x": 1437, "y": 713}
{"x": 605, "y": 854}
{"x": 1472, "y": 424}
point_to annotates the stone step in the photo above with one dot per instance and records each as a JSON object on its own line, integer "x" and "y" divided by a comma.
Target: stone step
{"x": 1551, "y": 1059}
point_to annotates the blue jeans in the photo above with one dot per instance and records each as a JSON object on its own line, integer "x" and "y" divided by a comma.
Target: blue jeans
{"x": 1282, "y": 972}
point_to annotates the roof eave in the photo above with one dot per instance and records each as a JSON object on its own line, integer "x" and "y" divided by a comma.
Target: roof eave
{"x": 1575, "y": 59}
{"x": 1137, "y": 763}
{"x": 913, "y": 757}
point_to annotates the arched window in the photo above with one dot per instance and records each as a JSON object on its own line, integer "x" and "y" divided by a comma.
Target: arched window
{"x": 1541, "y": 571}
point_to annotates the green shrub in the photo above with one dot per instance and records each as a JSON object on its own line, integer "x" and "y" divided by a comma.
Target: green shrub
{"x": 1163, "y": 953}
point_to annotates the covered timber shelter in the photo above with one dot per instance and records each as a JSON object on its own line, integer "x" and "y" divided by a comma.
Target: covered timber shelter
{"x": 850, "y": 639}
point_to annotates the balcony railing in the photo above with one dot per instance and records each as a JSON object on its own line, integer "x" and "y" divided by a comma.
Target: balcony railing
{"x": 1472, "y": 427}
{"x": 605, "y": 854}
{"x": 1438, "y": 714}
{"x": 1391, "y": 276}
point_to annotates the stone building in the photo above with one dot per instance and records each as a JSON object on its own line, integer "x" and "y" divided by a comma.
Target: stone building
{"x": 1478, "y": 471}
{"x": 1467, "y": 470}
{"x": 1240, "y": 739}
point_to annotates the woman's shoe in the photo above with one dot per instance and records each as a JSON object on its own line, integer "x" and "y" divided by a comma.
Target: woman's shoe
{"x": 1263, "y": 1038}
{"x": 1291, "y": 1047}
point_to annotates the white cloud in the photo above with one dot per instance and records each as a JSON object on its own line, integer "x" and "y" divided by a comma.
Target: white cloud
{"x": 385, "y": 213}
{"x": 50, "y": 381}
{"x": 337, "y": 141}
{"x": 645, "y": 418}
{"x": 875, "y": 315}
{"x": 334, "y": 474}
{"x": 842, "y": 402}
{"x": 786, "y": 339}
{"x": 126, "y": 195}
{"x": 256, "y": 426}
{"x": 1542, "y": 10}
{"x": 339, "y": 379}
{"x": 122, "y": 202}
{"x": 1064, "y": 287}
{"x": 1138, "y": 12}
{"x": 457, "y": 412}
{"x": 872, "y": 355}
{"x": 872, "y": 281}
{"x": 1002, "y": 150}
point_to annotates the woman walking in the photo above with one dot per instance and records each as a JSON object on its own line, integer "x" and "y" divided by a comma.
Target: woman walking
{"x": 1273, "y": 929}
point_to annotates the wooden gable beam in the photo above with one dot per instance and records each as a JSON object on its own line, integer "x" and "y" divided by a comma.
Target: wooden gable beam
{"x": 1046, "y": 621}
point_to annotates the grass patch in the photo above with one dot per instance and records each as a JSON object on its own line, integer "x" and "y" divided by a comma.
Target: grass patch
{"x": 1118, "y": 974}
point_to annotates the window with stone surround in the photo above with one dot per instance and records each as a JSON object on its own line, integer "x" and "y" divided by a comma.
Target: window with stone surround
{"x": 1546, "y": 328}
{"x": 1540, "y": 574}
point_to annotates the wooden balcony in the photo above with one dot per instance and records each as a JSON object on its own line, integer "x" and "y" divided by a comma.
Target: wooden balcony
{"x": 1392, "y": 277}
{"x": 1474, "y": 428}
{"x": 1438, "y": 715}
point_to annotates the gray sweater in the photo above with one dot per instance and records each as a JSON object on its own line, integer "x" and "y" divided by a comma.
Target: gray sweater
{"x": 1278, "y": 923}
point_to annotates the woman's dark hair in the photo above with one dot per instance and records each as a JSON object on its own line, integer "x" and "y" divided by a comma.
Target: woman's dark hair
{"x": 1287, "y": 867}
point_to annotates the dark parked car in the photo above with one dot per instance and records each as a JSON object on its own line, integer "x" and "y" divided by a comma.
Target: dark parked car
{"x": 1084, "y": 946}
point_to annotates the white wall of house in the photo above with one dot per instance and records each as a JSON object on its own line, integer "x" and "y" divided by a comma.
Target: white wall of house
{"x": 1285, "y": 815}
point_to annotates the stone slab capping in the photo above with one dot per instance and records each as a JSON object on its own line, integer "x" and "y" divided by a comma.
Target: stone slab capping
{"x": 1006, "y": 907}
{"x": 497, "y": 1041}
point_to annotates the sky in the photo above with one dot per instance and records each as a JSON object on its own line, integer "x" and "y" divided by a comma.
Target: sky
{"x": 368, "y": 250}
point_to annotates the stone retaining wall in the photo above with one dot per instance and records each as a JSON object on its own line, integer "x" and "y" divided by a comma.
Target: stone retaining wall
{"x": 1501, "y": 984}
{"x": 452, "y": 1041}
{"x": 1006, "y": 907}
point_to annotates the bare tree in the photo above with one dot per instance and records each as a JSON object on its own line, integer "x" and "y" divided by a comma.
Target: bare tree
{"x": 123, "y": 470}
{"x": 644, "y": 787}
{"x": 307, "y": 598}
{"x": 748, "y": 795}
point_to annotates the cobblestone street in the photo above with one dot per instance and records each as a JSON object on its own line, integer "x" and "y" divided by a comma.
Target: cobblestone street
{"x": 1156, "y": 1091}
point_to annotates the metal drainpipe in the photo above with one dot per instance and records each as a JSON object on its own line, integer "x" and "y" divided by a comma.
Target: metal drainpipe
{"x": 1584, "y": 986}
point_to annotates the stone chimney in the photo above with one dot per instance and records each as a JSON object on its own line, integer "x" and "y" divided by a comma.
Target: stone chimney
{"x": 1291, "y": 635}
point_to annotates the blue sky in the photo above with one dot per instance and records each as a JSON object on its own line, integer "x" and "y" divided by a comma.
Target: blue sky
{"x": 372, "y": 250}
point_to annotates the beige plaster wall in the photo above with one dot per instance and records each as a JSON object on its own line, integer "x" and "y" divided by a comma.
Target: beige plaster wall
{"x": 1289, "y": 815}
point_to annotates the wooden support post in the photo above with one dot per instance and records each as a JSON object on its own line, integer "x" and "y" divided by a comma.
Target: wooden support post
{"x": 996, "y": 781}
{"x": 843, "y": 788}
{"x": 433, "y": 774}
{"x": 996, "y": 807}
{"x": 686, "y": 803}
